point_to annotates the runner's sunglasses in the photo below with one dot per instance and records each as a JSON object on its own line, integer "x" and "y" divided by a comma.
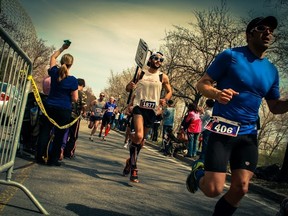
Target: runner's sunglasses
{"x": 156, "y": 58}
{"x": 262, "y": 28}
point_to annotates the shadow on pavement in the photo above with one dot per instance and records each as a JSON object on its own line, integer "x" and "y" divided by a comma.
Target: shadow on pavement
{"x": 82, "y": 210}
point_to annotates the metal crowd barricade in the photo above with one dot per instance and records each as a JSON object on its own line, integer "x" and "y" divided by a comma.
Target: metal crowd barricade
{"x": 15, "y": 67}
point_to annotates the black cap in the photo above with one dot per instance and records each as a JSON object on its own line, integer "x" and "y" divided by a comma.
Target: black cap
{"x": 270, "y": 21}
{"x": 81, "y": 82}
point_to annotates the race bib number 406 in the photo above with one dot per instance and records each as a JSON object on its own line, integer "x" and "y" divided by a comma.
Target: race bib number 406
{"x": 147, "y": 104}
{"x": 223, "y": 126}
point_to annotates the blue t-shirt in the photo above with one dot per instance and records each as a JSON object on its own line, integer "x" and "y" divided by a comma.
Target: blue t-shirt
{"x": 168, "y": 116}
{"x": 60, "y": 92}
{"x": 110, "y": 107}
{"x": 254, "y": 79}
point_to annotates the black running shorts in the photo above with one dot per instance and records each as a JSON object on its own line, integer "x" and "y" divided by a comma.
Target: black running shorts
{"x": 95, "y": 118}
{"x": 240, "y": 151}
{"x": 106, "y": 120}
{"x": 148, "y": 116}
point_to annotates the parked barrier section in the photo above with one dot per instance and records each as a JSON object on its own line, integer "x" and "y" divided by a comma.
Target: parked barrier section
{"x": 15, "y": 68}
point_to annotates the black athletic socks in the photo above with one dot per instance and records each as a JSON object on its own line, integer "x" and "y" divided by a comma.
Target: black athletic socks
{"x": 223, "y": 208}
{"x": 133, "y": 154}
{"x": 139, "y": 146}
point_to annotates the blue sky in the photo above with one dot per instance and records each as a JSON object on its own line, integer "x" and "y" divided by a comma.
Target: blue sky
{"x": 105, "y": 33}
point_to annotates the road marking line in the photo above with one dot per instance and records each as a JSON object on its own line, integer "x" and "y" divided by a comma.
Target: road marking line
{"x": 170, "y": 159}
{"x": 227, "y": 185}
{"x": 261, "y": 203}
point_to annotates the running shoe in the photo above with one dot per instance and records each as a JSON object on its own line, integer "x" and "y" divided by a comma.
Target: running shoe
{"x": 127, "y": 168}
{"x": 126, "y": 145}
{"x": 192, "y": 181}
{"x": 99, "y": 135}
{"x": 91, "y": 139}
{"x": 61, "y": 154}
{"x": 104, "y": 138}
{"x": 283, "y": 208}
{"x": 134, "y": 176}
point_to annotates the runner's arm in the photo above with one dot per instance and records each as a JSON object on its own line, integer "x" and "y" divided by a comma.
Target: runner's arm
{"x": 279, "y": 106}
{"x": 132, "y": 84}
{"x": 206, "y": 86}
{"x": 166, "y": 85}
{"x": 55, "y": 55}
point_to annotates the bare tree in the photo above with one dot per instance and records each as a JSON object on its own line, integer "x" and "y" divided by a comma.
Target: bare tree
{"x": 279, "y": 54}
{"x": 272, "y": 136}
{"x": 191, "y": 50}
{"x": 90, "y": 97}
{"x": 18, "y": 24}
{"x": 117, "y": 84}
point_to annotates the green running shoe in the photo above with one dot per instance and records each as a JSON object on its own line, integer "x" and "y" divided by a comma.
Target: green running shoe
{"x": 192, "y": 181}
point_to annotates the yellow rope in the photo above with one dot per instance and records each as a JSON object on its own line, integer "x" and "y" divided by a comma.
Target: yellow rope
{"x": 42, "y": 108}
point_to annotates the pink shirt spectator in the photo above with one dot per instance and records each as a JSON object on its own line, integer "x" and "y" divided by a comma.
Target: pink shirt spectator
{"x": 196, "y": 124}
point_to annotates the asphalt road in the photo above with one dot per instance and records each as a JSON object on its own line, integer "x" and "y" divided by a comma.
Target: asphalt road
{"x": 92, "y": 184}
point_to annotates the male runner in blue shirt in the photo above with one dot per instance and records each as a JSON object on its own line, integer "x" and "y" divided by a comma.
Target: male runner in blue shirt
{"x": 243, "y": 76}
{"x": 110, "y": 108}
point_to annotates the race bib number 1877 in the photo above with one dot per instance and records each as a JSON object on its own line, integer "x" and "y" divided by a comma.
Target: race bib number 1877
{"x": 147, "y": 104}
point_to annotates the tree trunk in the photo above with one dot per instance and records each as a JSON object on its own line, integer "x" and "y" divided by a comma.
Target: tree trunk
{"x": 283, "y": 176}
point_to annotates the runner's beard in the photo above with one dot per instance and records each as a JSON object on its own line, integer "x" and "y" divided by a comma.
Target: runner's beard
{"x": 154, "y": 66}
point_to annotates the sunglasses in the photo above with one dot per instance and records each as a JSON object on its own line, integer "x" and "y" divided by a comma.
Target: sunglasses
{"x": 102, "y": 95}
{"x": 156, "y": 58}
{"x": 262, "y": 28}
